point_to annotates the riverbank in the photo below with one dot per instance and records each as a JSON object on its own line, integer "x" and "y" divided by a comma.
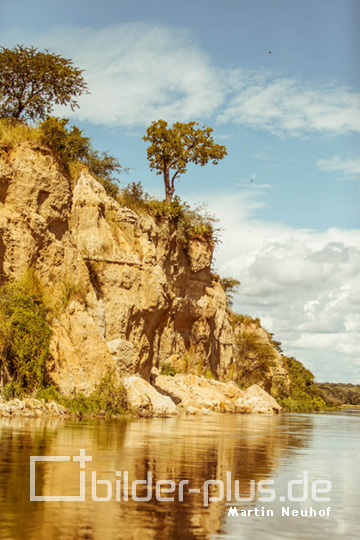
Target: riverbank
{"x": 31, "y": 408}
{"x": 166, "y": 396}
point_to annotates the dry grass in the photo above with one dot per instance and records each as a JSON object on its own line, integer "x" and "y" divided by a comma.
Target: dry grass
{"x": 74, "y": 168}
{"x": 12, "y": 133}
{"x": 73, "y": 290}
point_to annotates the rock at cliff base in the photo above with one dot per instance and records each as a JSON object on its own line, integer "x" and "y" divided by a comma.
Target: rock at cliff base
{"x": 144, "y": 400}
{"x": 260, "y": 401}
{"x": 196, "y": 393}
{"x": 31, "y": 408}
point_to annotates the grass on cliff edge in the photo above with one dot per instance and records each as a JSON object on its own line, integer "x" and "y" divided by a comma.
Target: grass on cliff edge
{"x": 74, "y": 150}
{"x": 190, "y": 222}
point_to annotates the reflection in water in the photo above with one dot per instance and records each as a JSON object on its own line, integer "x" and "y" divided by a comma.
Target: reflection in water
{"x": 193, "y": 449}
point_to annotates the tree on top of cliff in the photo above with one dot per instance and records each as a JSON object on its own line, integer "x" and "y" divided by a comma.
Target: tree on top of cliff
{"x": 32, "y": 82}
{"x": 172, "y": 148}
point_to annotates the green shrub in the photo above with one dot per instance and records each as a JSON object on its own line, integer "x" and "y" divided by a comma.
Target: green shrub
{"x": 168, "y": 369}
{"x": 303, "y": 394}
{"x": 109, "y": 397}
{"x": 190, "y": 223}
{"x": 69, "y": 144}
{"x": 72, "y": 147}
{"x": 26, "y": 339}
{"x": 134, "y": 197}
{"x": 254, "y": 358}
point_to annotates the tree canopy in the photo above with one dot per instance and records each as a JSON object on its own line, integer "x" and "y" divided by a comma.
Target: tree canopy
{"x": 32, "y": 82}
{"x": 172, "y": 148}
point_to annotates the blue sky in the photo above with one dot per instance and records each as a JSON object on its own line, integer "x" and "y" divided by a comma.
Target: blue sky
{"x": 290, "y": 121}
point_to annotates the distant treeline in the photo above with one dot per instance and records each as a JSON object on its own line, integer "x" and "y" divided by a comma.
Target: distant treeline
{"x": 339, "y": 393}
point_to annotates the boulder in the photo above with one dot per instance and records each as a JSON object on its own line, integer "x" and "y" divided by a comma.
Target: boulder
{"x": 145, "y": 400}
{"x": 260, "y": 401}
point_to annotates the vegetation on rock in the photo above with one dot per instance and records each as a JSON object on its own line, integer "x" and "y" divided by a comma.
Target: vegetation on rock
{"x": 168, "y": 369}
{"x": 190, "y": 222}
{"x": 230, "y": 286}
{"x": 109, "y": 398}
{"x": 254, "y": 359}
{"x": 303, "y": 395}
{"x": 25, "y": 335}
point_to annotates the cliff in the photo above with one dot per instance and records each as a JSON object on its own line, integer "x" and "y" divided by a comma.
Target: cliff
{"x": 124, "y": 291}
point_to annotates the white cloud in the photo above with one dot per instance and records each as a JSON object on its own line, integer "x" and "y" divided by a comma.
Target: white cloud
{"x": 141, "y": 72}
{"x": 290, "y": 105}
{"x": 303, "y": 284}
{"x": 349, "y": 167}
{"x": 137, "y": 73}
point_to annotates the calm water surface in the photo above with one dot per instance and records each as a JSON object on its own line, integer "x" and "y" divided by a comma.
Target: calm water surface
{"x": 194, "y": 449}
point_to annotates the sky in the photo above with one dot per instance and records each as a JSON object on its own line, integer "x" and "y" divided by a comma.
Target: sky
{"x": 279, "y": 82}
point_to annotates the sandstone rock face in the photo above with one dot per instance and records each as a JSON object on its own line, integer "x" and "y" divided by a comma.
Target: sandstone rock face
{"x": 125, "y": 293}
{"x": 34, "y": 232}
{"x": 144, "y": 400}
{"x": 135, "y": 296}
{"x": 123, "y": 354}
{"x": 156, "y": 296}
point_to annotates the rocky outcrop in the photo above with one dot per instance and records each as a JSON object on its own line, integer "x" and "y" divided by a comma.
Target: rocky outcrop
{"x": 31, "y": 408}
{"x": 125, "y": 293}
{"x": 198, "y": 392}
{"x": 198, "y": 395}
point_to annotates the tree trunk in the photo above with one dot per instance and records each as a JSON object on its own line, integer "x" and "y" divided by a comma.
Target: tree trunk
{"x": 168, "y": 193}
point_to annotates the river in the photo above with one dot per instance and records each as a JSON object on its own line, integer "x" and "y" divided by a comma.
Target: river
{"x": 283, "y": 465}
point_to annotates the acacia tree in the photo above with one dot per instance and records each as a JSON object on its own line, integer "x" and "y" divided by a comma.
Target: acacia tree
{"x": 31, "y": 82}
{"x": 172, "y": 148}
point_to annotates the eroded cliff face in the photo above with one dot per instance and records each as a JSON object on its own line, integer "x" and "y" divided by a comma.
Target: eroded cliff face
{"x": 126, "y": 293}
